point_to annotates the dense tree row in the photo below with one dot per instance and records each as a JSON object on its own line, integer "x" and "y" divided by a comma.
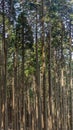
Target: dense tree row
{"x": 36, "y": 65}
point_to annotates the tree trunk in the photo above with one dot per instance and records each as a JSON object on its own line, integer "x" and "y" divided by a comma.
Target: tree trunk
{"x": 23, "y": 85}
{"x": 5, "y": 121}
{"x": 49, "y": 78}
{"x": 38, "y": 89}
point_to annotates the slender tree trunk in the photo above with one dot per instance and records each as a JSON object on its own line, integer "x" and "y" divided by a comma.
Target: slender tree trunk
{"x": 14, "y": 86}
{"x": 49, "y": 78}
{"x": 0, "y": 96}
{"x": 1, "y": 76}
{"x": 70, "y": 78}
{"x": 4, "y": 71}
{"x": 13, "y": 105}
{"x": 38, "y": 89}
{"x": 23, "y": 85}
{"x": 43, "y": 69}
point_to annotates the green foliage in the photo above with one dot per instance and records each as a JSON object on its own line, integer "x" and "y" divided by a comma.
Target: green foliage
{"x": 22, "y": 23}
{"x": 31, "y": 93}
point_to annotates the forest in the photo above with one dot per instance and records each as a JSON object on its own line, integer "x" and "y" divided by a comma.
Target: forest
{"x": 36, "y": 64}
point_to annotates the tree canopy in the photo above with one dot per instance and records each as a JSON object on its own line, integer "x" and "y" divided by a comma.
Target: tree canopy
{"x": 36, "y": 64}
